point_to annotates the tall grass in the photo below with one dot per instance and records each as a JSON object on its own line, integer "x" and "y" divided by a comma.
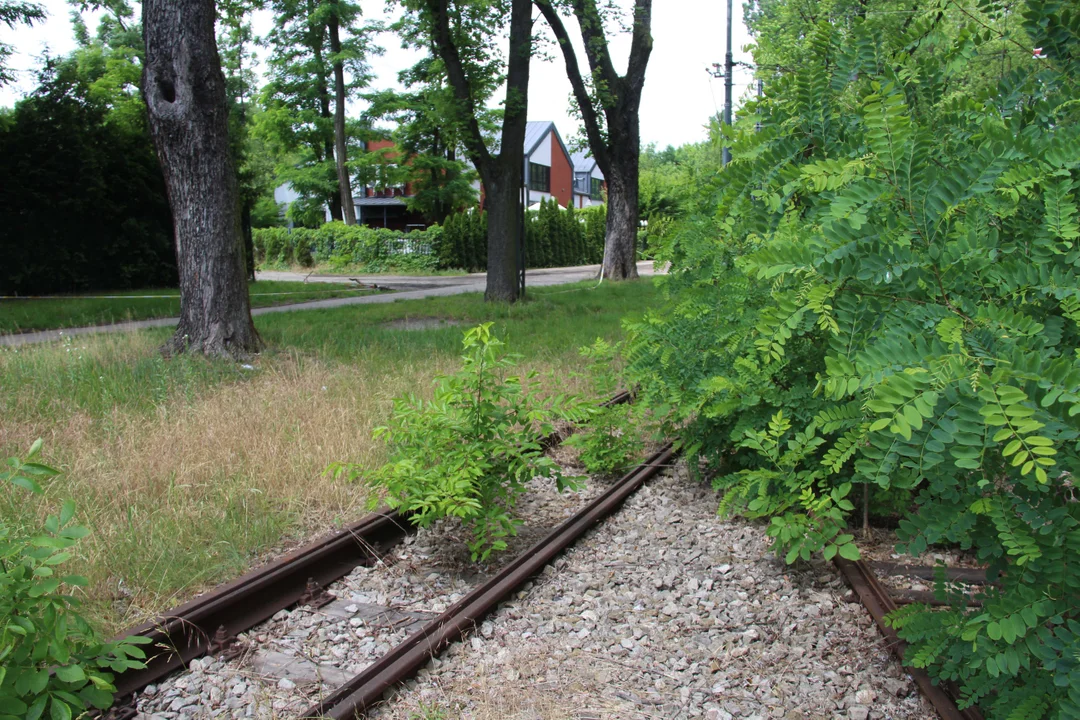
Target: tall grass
{"x": 189, "y": 470}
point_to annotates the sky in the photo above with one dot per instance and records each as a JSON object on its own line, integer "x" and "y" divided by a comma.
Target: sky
{"x": 679, "y": 96}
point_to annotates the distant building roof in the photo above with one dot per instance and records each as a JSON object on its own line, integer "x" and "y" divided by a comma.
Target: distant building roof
{"x": 378, "y": 201}
{"x": 536, "y": 131}
{"x": 583, "y": 161}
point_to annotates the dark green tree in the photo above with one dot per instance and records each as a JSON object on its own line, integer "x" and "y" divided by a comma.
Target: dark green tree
{"x": 91, "y": 214}
{"x": 609, "y": 104}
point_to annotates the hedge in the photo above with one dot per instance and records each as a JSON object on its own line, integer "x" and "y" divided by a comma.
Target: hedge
{"x": 553, "y": 238}
{"x": 338, "y": 245}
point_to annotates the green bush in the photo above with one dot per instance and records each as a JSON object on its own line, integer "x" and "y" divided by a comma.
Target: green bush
{"x": 468, "y": 453}
{"x": 553, "y": 238}
{"x": 889, "y": 270}
{"x": 51, "y": 657}
{"x": 613, "y": 438}
{"x": 340, "y": 246}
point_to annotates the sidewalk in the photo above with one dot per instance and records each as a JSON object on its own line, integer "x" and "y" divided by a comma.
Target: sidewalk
{"x": 419, "y": 287}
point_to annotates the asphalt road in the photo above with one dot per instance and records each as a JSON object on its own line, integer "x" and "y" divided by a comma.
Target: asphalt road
{"x": 405, "y": 288}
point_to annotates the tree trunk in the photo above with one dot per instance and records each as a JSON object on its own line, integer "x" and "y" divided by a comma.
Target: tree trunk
{"x": 503, "y": 234}
{"x": 185, "y": 97}
{"x": 340, "y": 145}
{"x": 620, "y": 240}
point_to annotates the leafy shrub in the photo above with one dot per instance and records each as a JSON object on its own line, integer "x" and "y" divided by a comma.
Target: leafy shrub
{"x": 554, "y": 237}
{"x": 51, "y": 657}
{"x": 902, "y": 233}
{"x": 612, "y": 438}
{"x": 468, "y": 453}
{"x": 340, "y": 246}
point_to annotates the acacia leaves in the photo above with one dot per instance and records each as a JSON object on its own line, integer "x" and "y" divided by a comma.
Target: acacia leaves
{"x": 913, "y": 226}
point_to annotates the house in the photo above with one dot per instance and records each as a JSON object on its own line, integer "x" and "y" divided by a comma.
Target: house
{"x": 549, "y": 170}
{"x": 384, "y": 206}
{"x": 588, "y": 181}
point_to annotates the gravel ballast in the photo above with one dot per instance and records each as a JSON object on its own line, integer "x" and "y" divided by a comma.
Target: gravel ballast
{"x": 662, "y": 611}
{"x": 665, "y": 611}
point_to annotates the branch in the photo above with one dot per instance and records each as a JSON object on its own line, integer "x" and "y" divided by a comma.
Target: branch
{"x": 640, "y": 47}
{"x": 596, "y": 45}
{"x": 455, "y": 73}
{"x": 581, "y": 93}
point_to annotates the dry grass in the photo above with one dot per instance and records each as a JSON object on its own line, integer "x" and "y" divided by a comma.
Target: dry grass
{"x": 211, "y": 476}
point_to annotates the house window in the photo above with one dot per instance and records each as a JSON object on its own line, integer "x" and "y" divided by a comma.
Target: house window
{"x": 539, "y": 177}
{"x": 596, "y": 185}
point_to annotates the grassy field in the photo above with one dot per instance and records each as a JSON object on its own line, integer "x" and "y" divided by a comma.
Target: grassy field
{"x": 22, "y": 315}
{"x": 189, "y": 471}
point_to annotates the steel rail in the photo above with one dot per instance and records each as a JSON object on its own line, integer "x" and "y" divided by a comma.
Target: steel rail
{"x": 190, "y": 630}
{"x": 402, "y": 661}
{"x": 186, "y": 632}
{"x": 879, "y": 603}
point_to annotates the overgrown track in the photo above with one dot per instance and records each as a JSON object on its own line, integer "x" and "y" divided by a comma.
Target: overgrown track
{"x": 367, "y": 688}
{"x": 879, "y": 603}
{"x": 209, "y": 624}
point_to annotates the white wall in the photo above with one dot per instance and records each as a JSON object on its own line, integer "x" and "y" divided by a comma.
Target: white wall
{"x": 542, "y": 154}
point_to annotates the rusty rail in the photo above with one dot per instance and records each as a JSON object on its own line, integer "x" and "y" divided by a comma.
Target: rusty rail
{"x": 879, "y": 603}
{"x": 188, "y": 631}
{"x": 402, "y": 661}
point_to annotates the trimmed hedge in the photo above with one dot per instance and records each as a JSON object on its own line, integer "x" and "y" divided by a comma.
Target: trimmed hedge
{"x": 553, "y": 238}
{"x": 339, "y": 245}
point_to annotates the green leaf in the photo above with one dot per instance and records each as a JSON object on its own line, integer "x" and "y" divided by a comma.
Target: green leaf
{"x": 59, "y": 710}
{"x": 849, "y": 552}
{"x": 71, "y": 674}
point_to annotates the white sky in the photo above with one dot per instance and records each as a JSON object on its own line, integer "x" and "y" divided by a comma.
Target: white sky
{"x": 677, "y": 102}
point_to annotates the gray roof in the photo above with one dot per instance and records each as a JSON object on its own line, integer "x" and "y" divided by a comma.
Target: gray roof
{"x": 536, "y": 131}
{"x": 583, "y": 161}
{"x": 378, "y": 201}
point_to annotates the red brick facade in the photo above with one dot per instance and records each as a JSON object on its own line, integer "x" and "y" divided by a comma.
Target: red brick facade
{"x": 562, "y": 174}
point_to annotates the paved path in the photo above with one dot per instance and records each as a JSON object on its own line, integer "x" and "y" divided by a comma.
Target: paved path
{"x": 418, "y": 287}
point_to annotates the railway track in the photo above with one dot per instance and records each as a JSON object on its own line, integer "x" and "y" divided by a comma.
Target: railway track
{"x": 211, "y": 624}
{"x": 879, "y": 601}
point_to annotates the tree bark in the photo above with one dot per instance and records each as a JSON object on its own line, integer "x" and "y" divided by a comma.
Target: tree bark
{"x": 503, "y": 234}
{"x": 340, "y": 145}
{"x": 620, "y": 240}
{"x": 184, "y": 90}
{"x": 323, "y": 88}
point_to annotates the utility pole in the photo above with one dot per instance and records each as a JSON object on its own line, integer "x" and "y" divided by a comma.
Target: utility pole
{"x": 729, "y": 67}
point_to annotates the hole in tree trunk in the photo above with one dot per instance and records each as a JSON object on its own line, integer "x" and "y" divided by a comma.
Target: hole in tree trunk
{"x": 168, "y": 90}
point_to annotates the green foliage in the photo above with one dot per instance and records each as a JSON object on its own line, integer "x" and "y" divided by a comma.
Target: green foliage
{"x": 468, "y": 453}
{"x": 613, "y": 437}
{"x": 77, "y": 148}
{"x": 554, "y": 237}
{"x": 340, "y": 245}
{"x": 12, "y": 13}
{"x": 889, "y": 268}
{"x": 51, "y": 658}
